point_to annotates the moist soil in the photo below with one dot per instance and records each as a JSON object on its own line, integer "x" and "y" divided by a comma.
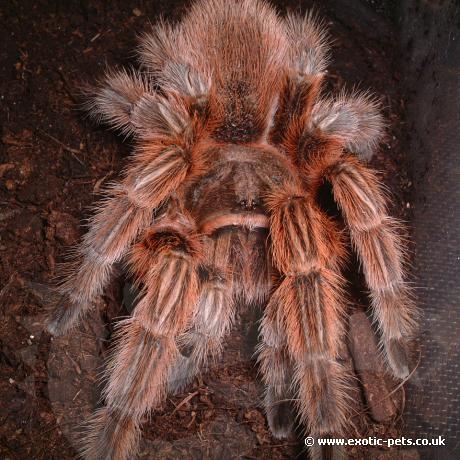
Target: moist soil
{"x": 53, "y": 165}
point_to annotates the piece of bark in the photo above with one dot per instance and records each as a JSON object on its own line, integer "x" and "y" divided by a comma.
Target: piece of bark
{"x": 369, "y": 367}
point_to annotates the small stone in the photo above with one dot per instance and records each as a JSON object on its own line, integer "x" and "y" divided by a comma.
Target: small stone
{"x": 63, "y": 227}
{"x": 10, "y": 185}
{"x": 47, "y": 417}
{"x": 5, "y": 167}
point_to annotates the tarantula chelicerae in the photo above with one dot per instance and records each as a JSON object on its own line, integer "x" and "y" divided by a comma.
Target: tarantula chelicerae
{"x": 218, "y": 208}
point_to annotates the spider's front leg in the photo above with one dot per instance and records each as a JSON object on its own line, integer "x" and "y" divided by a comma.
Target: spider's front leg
{"x": 375, "y": 238}
{"x": 167, "y": 263}
{"x": 160, "y": 165}
{"x": 303, "y": 322}
{"x": 213, "y": 317}
{"x": 111, "y": 232}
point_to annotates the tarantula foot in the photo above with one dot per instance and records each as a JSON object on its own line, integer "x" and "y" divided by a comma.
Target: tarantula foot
{"x": 182, "y": 373}
{"x": 280, "y": 420}
{"x": 60, "y": 319}
{"x": 397, "y": 358}
{"x": 103, "y": 433}
{"x": 53, "y": 327}
{"x": 280, "y": 417}
{"x": 317, "y": 452}
{"x": 63, "y": 314}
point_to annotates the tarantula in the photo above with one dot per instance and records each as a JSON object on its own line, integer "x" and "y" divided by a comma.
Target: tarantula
{"x": 219, "y": 208}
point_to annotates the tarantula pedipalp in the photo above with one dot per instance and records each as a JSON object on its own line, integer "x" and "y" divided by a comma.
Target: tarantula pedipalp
{"x": 218, "y": 208}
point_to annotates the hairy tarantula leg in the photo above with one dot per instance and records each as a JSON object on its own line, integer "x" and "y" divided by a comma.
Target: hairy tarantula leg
{"x": 317, "y": 126}
{"x": 295, "y": 105}
{"x": 276, "y": 370}
{"x": 353, "y": 120}
{"x": 167, "y": 261}
{"x": 302, "y": 82}
{"x": 150, "y": 181}
{"x": 163, "y": 158}
{"x": 111, "y": 230}
{"x": 204, "y": 340}
{"x": 276, "y": 365}
{"x": 127, "y": 101}
{"x": 309, "y": 43}
{"x": 213, "y": 318}
{"x": 317, "y": 452}
{"x": 214, "y": 314}
{"x": 308, "y": 306}
{"x": 307, "y": 61}
{"x": 117, "y": 97}
{"x": 374, "y": 235}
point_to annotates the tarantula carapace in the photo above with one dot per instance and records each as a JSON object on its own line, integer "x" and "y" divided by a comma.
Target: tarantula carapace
{"x": 218, "y": 208}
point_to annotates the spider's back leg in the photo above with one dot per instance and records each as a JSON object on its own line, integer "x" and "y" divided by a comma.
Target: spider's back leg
{"x": 380, "y": 249}
{"x": 317, "y": 145}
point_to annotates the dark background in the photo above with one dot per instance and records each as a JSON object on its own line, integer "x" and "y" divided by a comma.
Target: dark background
{"x": 53, "y": 163}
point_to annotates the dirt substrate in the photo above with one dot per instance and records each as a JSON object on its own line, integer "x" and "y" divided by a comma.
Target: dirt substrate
{"x": 53, "y": 164}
